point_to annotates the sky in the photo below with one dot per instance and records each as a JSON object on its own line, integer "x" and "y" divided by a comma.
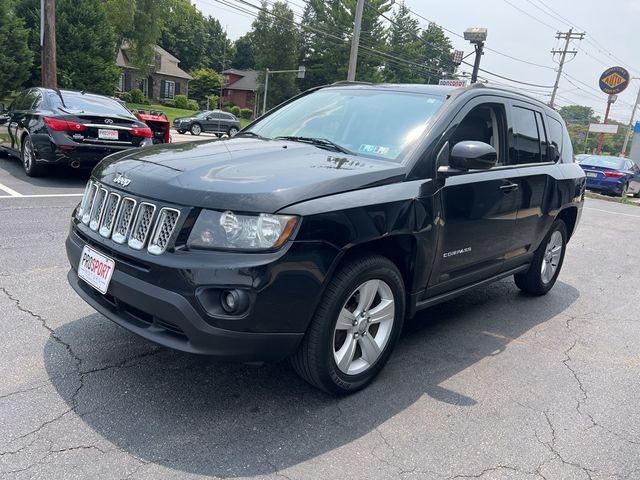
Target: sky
{"x": 525, "y": 30}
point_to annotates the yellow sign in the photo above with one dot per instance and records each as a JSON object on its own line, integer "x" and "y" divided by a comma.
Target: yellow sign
{"x": 614, "y": 80}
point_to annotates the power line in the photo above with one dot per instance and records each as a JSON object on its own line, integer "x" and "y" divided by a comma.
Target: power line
{"x": 510, "y": 79}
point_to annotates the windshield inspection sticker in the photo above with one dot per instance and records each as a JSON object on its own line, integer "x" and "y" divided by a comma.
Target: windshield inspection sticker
{"x": 375, "y": 149}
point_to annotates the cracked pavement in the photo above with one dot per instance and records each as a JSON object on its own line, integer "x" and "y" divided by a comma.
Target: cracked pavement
{"x": 493, "y": 385}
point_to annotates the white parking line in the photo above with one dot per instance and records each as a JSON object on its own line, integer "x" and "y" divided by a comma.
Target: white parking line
{"x": 10, "y": 191}
{"x": 49, "y": 195}
{"x": 612, "y": 212}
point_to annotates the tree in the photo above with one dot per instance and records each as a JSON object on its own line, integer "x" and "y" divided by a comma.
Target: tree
{"x": 327, "y": 28}
{"x": 184, "y": 34}
{"x": 276, "y": 45}
{"x": 404, "y": 42}
{"x": 15, "y": 56}
{"x": 139, "y": 24}
{"x": 218, "y": 48}
{"x": 29, "y": 12}
{"x": 243, "y": 57}
{"x": 437, "y": 57}
{"x": 87, "y": 47}
{"x": 206, "y": 82}
{"x": 578, "y": 115}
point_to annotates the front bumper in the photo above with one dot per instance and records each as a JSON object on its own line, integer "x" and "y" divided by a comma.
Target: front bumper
{"x": 159, "y": 301}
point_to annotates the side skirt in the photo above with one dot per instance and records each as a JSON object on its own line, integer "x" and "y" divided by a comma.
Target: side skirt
{"x": 419, "y": 305}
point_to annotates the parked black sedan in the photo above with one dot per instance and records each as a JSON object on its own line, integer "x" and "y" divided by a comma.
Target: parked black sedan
{"x": 45, "y": 127}
{"x": 215, "y": 121}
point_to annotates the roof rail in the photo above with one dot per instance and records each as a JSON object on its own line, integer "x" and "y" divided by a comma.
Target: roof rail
{"x": 350, "y": 82}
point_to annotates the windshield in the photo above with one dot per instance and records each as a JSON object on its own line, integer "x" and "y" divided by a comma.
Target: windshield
{"x": 608, "y": 162}
{"x": 75, "y": 102}
{"x": 373, "y": 122}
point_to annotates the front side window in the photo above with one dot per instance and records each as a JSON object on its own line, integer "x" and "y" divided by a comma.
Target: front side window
{"x": 379, "y": 123}
{"x": 484, "y": 123}
{"x": 526, "y": 136}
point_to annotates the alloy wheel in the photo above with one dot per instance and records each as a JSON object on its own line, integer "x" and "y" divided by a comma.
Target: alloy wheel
{"x": 363, "y": 327}
{"x": 27, "y": 156}
{"x": 552, "y": 255}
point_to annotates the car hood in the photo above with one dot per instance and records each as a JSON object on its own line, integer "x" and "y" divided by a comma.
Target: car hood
{"x": 243, "y": 174}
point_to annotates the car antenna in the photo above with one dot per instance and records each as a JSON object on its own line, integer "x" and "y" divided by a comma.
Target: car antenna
{"x": 57, "y": 90}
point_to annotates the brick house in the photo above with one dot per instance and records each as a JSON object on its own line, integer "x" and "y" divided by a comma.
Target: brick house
{"x": 164, "y": 83}
{"x": 240, "y": 87}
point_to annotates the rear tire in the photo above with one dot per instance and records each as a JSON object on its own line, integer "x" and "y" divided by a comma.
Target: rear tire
{"x": 28, "y": 157}
{"x": 355, "y": 327}
{"x": 547, "y": 262}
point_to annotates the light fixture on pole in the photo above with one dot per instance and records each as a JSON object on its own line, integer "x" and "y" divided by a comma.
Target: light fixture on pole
{"x": 476, "y": 36}
{"x": 300, "y": 74}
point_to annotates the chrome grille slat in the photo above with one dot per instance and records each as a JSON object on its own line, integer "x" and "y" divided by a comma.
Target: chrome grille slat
{"x": 109, "y": 215}
{"x": 86, "y": 213}
{"x": 141, "y": 225}
{"x": 97, "y": 209}
{"x": 126, "y": 220}
{"x": 164, "y": 228}
{"x": 123, "y": 220}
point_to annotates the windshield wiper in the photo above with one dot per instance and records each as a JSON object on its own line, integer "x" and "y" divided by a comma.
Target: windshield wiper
{"x": 249, "y": 133}
{"x": 318, "y": 142}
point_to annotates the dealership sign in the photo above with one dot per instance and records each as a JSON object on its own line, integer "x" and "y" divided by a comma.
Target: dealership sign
{"x": 614, "y": 80}
{"x": 453, "y": 83}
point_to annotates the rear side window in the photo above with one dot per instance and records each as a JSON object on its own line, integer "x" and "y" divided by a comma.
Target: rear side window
{"x": 555, "y": 133}
{"x": 526, "y": 136}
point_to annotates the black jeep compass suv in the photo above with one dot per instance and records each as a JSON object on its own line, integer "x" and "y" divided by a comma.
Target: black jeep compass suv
{"x": 314, "y": 232}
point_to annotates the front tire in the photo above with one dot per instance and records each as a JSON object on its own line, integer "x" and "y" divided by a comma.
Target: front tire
{"x": 355, "y": 327}
{"x": 28, "y": 158}
{"x": 547, "y": 262}
{"x": 196, "y": 129}
{"x": 232, "y": 131}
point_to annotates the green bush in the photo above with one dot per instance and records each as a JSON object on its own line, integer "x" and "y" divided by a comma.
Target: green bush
{"x": 137, "y": 96}
{"x": 235, "y": 110}
{"x": 246, "y": 113}
{"x": 124, "y": 96}
{"x": 181, "y": 101}
{"x": 213, "y": 102}
{"x": 193, "y": 105}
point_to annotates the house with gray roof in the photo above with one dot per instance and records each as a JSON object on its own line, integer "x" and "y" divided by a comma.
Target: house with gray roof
{"x": 165, "y": 82}
{"x": 240, "y": 87}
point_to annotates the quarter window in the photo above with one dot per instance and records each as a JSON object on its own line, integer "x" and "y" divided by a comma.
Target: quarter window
{"x": 555, "y": 133}
{"x": 526, "y": 136}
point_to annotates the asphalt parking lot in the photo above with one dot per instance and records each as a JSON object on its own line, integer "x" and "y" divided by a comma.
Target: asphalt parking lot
{"x": 492, "y": 385}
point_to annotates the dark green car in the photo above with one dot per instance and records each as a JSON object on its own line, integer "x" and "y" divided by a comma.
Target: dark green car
{"x": 213, "y": 121}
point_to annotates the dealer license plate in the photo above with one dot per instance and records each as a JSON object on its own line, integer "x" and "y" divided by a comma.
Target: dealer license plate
{"x": 591, "y": 174}
{"x": 106, "y": 134}
{"x": 96, "y": 269}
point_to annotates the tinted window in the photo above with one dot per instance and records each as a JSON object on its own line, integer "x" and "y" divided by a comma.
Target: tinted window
{"x": 214, "y": 116}
{"x": 555, "y": 133}
{"x": 23, "y": 101}
{"x": 485, "y": 123}
{"x": 526, "y": 137}
{"x": 543, "y": 137}
{"x": 75, "y": 102}
{"x": 228, "y": 116}
{"x": 377, "y": 122}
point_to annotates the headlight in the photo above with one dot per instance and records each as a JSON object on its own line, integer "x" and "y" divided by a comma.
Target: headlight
{"x": 228, "y": 230}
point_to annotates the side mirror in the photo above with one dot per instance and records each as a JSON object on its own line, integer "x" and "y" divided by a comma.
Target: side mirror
{"x": 472, "y": 155}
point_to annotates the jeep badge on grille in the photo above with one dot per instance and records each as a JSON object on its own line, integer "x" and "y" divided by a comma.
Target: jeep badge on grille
{"x": 122, "y": 180}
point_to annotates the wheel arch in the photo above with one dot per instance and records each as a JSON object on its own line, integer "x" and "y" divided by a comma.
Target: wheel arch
{"x": 569, "y": 216}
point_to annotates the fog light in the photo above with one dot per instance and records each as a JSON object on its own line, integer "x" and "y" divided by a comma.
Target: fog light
{"x": 234, "y": 302}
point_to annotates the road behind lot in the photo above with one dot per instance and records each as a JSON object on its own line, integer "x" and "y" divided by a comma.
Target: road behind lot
{"x": 493, "y": 385}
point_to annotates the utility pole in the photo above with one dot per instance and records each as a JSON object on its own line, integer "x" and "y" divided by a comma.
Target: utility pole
{"x": 48, "y": 43}
{"x": 567, "y": 37}
{"x": 355, "y": 42}
{"x": 630, "y": 130}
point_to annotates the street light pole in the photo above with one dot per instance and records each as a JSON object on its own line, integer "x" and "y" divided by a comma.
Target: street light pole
{"x": 355, "y": 42}
{"x": 300, "y": 71}
{"x": 630, "y": 130}
{"x": 477, "y": 37}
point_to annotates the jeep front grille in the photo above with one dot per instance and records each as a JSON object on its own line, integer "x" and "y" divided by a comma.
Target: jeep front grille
{"x": 125, "y": 220}
{"x": 167, "y": 220}
{"x": 141, "y": 225}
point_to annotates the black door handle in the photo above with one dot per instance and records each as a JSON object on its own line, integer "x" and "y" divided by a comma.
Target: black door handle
{"x": 508, "y": 188}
